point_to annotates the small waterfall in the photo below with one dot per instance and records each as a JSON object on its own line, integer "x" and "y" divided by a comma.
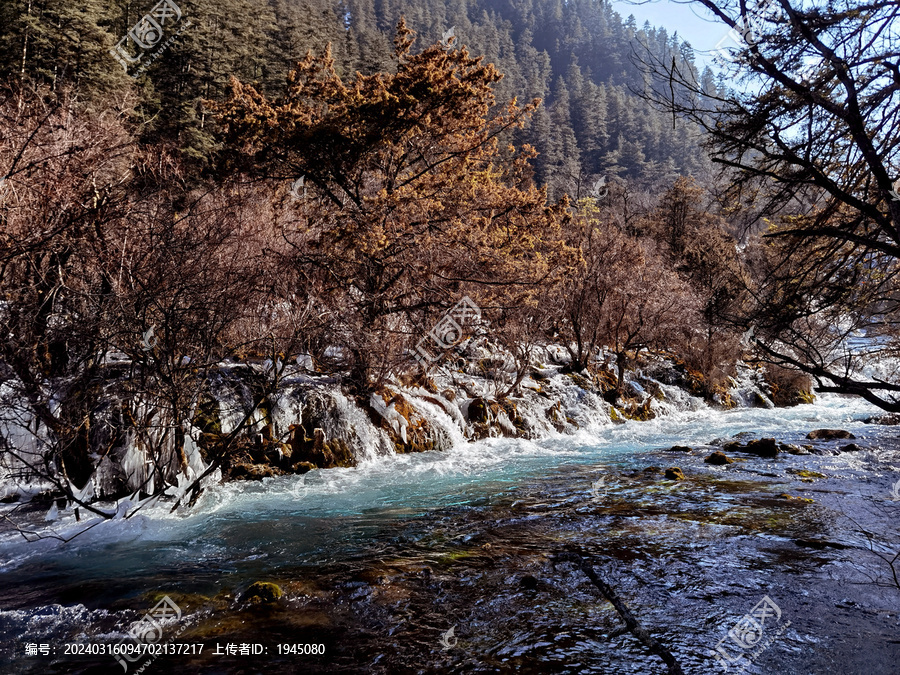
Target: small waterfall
{"x": 749, "y": 388}
{"x": 464, "y": 401}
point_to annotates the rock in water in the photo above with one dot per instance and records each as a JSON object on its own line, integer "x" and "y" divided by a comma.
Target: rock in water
{"x": 674, "y": 473}
{"x": 319, "y": 441}
{"x": 262, "y": 591}
{"x": 681, "y": 448}
{"x": 828, "y": 434}
{"x": 528, "y": 582}
{"x": 764, "y": 447}
{"x": 718, "y": 459}
{"x": 890, "y": 419}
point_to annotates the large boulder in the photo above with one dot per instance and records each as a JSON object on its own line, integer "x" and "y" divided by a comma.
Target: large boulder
{"x": 317, "y": 450}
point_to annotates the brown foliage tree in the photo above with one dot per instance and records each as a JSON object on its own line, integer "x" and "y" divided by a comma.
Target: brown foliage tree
{"x": 409, "y": 199}
{"x": 702, "y": 250}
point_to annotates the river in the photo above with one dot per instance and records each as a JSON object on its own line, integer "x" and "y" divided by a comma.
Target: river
{"x": 378, "y": 563}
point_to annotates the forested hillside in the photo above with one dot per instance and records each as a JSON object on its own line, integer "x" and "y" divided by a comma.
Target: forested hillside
{"x": 578, "y": 57}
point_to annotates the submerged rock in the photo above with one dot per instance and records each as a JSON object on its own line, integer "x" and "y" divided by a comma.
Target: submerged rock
{"x": 262, "y": 592}
{"x": 806, "y": 473}
{"x": 528, "y": 582}
{"x": 795, "y": 498}
{"x": 828, "y": 434}
{"x": 680, "y": 448}
{"x": 850, "y": 447}
{"x": 819, "y": 544}
{"x": 763, "y": 447}
{"x": 718, "y": 459}
{"x": 674, "y": 473}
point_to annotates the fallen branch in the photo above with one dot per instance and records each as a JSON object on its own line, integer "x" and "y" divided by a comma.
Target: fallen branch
{"x": 631, "y": 623}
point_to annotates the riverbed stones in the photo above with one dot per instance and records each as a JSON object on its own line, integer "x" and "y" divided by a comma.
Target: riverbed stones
{"x": 796, "y": 498}
{"x": 718, "y": 458}
{"x": 829, "y": 434}
{"x": 890, "y": 419}
{"x": 674, "y": 473}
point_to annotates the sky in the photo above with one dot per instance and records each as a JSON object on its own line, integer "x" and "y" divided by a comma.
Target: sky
{"x": 692, "y": 21}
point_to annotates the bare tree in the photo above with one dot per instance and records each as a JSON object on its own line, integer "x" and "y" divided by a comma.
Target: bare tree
{"x": 625, "y": 297}
{"x": 61, "y": 193}
{"x": 123, "y": 292}
{"x": 809, "y": 140}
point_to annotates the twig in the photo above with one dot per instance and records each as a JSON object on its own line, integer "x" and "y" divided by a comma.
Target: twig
{"x": 631, "y": 623}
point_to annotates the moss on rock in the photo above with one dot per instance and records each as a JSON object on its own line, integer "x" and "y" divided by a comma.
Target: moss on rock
{"x": 262, "y": 592}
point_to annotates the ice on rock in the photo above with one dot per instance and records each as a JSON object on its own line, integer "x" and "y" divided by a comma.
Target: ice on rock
{"x": 53, "y": 513}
